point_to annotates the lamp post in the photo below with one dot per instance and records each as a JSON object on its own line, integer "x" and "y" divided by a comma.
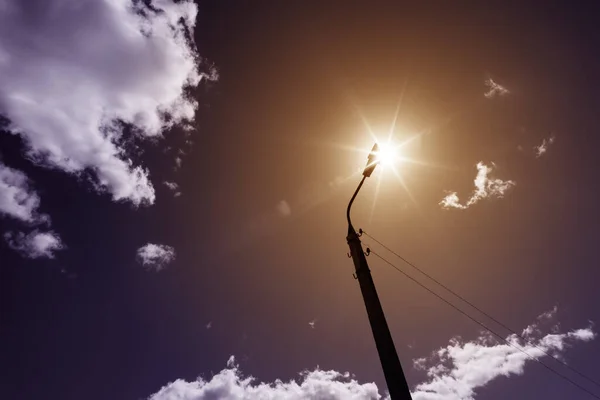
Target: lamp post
{"x": 392, "y": 369}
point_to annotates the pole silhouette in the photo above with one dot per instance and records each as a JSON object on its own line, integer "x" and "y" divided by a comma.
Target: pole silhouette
{"x": 392, "y": 369}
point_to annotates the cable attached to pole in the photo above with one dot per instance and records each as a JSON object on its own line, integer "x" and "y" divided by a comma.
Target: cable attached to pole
{"x": 564, "y": 364}
{"x": 562, "y": 376}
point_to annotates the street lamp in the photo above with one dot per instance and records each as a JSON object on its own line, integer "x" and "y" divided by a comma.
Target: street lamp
{"x": 392, "y": 369}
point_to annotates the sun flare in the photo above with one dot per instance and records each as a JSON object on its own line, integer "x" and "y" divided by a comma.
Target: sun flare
{"x": 388, "y": 154}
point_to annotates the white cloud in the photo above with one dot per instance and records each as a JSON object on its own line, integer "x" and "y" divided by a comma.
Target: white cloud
{"x": 36, "y": 244}
{"x": 543, "y": 147}
{"x": 231, "y": 384}
{"x": 20, "y": 201}
{"x": 454, "y": 372}
{"x": 420, "y": 364}
{"x": 452, "y": 201}
{"x": 494, "y": 89}
{"x": 283, "y": 208}
{"x": 312, "y": 323}
{"x": 457, "y": 370}
{"x": 155, "y": 256}
{"x": 485, "y": 187}
{"x": 17, "y": 197}
{"x": 72, "y": 71}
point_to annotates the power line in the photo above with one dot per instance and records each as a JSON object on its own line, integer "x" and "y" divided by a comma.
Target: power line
{"x": 562, "y": 376}
{"x": 581, "y": 374}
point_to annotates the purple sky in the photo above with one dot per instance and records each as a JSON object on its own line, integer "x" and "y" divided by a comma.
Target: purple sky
{"x": 174, "y": 177}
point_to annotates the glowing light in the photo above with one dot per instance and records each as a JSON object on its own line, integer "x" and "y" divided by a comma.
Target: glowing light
{"x": 388, "y": 154}
{"x": 394, "y": 157}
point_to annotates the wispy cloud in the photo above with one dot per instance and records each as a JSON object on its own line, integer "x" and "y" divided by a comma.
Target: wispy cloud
{"x": 494, "y": 89}
{"x": 485, "y": 187}
{"x": 541, "y": 149}
{"x": 312, "y": 323}
{"x": 20, "y": 201}
{"x": 284, "y": 209}
{"x": 178, "y": 163}
{"x": 74, "y": 74}
{"x": 174, "y": 187}
{"x": 171, "y": 185}
{"x": 17, "y": 197}
{"x": 155, "y": 256}
{"x": 454, "y": 372}
{"x": 35, "y": 244}
{"x": 457, "y": 370}
{"x": 209, "y": 325}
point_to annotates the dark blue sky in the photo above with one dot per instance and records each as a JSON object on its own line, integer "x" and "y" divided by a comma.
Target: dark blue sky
{"x": 93, "y": 324}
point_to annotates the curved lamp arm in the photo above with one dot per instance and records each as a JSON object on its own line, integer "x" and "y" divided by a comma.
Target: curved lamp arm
{"x": 372, "y": 162}
{"x": 350, "y": 227}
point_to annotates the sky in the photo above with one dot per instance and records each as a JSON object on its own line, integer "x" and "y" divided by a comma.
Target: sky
{"x": 174, "y": 179}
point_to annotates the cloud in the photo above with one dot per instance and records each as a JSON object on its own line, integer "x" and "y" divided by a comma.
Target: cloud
{"x": 312, "y": 323}
{"x": 284, "y": 208}
{"x": 20, "y": 201}
{"x": 453, "y": 373}
{"x": 457, "y": 370}
{"x": 178, "y": 162}
{"x": 494, "y": 89}
{"x": 173, "y": 187}
{"x": 485, "y": 187}
{"x": 420, "y": 364}
{"x": 231, "y": 384}
{"x": 155, "y": 256}
{"x": 544, "y": 318}
{"x": 452, "y": 201}
{"x": 17, "y": 197}
{"x": 209, "y": 325}
{"x": 543, "y": 147}
{"x": 80, "y": 80}
{"x": 35, "y": 244}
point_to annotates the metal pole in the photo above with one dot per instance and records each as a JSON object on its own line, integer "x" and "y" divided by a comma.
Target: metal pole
{"x": 392, "y": 369}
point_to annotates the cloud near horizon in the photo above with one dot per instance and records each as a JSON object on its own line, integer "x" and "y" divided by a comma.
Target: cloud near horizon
{"x": 79, "y": 80}
{"x": 453, "y": 372}
{"x": 155, "y": 256}
{"x": 485, "y": 187}
{"x": 231, "y": 384}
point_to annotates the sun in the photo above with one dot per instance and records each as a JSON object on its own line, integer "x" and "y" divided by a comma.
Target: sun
{"x": 388, "y": 154}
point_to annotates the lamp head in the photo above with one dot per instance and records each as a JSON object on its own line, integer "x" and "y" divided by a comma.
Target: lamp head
{"x": 372, "y": 161}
